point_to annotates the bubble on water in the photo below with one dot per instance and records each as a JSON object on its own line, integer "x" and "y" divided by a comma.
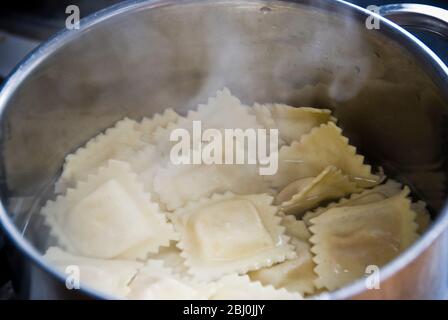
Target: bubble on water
{"x": 265, "y": 10}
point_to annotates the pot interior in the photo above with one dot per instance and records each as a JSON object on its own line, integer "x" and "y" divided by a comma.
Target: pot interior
{"x": 135, "y": 64}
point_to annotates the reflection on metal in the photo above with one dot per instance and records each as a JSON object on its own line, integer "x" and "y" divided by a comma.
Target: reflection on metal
{"x": 418, "y": 16}
{"x": 165, "y": 52}
{"x": 13, "y": 49}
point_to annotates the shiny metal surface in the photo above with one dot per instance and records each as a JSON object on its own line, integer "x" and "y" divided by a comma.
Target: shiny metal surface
{"x": 140, "y": 57}
{"x": 419, "y": 16}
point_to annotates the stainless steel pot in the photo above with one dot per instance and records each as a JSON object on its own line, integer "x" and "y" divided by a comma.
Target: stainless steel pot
{"x": 134, "y": 59}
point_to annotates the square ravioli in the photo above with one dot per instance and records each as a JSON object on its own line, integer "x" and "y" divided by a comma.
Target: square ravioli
{"x": 324, "y": 146}
{"x": 117, "y": 143}
{"x": 160, "y": 120}
{"x": 378, "y": 193}
{"x": 109, "y": 216}
{"x": 291, "y": 122}
{"x": 296, "y": 275}
{"x": 155, "y": 281}
{"x": 171, "y": 259}
{"x": 145, "y": 163}
{"x": 349, "y": 239}
{"x": 235, "y": 287}
{"x": 108, "y": 276}
{"x": 231, "y": 234}
{"x": 223, "y": 111}
{"x": 175, "y": 185}
{"x": 212, "y": 227}
{"x": 305, "y": 194}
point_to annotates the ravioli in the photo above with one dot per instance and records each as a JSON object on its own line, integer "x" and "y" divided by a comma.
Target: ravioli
{"x": 224, "y": 111}
{"x": 349, "y": 239}
{"x": 118, "y": 142}
{"x": 305, "y": 194}
{"x": 234, "y": 287}
{"x": 140, "y": 226}
{"x": 160, "y": 120}
{"x": 296, "y": 275}
{"x": 157, "y": 282}
{"x": 378, "y": 193}
{"x": 108, "y": 215}
{"x": 229, "y": 233}
{"x": 171, "y": 257}
{"x": 111, "y": 277}
{"x": 423, "y": 218}
{"x": 175, "y": 185}
{"x": 145, "y": 163}
{"x": 322, "y": 147}
{"x": 296, "y": 229}
{"x": 291, "y": 122}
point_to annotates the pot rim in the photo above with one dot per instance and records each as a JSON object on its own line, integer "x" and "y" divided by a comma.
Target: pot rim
{"x": 60, "y": 39}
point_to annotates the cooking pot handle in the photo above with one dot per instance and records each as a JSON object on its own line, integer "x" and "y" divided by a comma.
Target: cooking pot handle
{"x": 419, "y": 16}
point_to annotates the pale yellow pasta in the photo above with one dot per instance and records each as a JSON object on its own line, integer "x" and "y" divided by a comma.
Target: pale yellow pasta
{"x": 145, "y": 164}
{"x": 234, "y": 287}
{"x": 423, "y": 218}
{"x": 172, "y": 259}
{"x": 175, "y": 185}
{"x": 347, "y": 240}
{"x": 224, "y": 111}
{"x": 291, "y": 122}
{"x": 118, "y": 142}
{"x": 108, "y": 216}
{"x": 160, "y": 120}
{"x": 263, "y": 115}
{"x": 231, "y": 234}
{"x": 265, "y": 120}
{"x": 155, "y": 281}
{"x": 137, "y": 224}
{"x": 322, "y": 147}
{"x": 296, "y": 275}
{"x": 108, "y": 276}
{"x": 378, "y": 193}
{"x": 287, "y": 193}
{"x": 296, "y": 228}
{"x": 299, "y": 197}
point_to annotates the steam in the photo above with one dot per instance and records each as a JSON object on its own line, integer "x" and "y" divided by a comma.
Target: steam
{"x": 279, "y": 54}
{"x": 140, "y": 64}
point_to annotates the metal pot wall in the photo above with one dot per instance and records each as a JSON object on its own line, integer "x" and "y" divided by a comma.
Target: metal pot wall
{"x": 388, "y": 90}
